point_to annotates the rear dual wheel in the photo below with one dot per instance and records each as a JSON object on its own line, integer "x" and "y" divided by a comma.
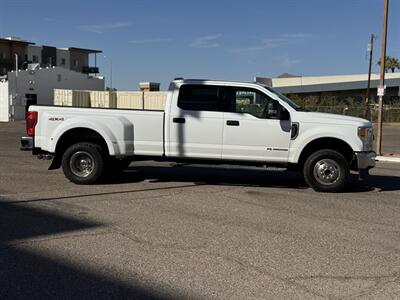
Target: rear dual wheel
{"x": 83, "y": 163}
{"x": 86, "y": 163}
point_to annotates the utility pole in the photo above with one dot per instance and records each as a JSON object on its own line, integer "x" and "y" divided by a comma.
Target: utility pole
{"x": 15, "y": 98}
{"x": 381, "y": 88}
{"x": 371, "y": 51}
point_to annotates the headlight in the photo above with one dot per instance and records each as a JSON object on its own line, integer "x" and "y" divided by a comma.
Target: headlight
{"x": 366, "y": 135}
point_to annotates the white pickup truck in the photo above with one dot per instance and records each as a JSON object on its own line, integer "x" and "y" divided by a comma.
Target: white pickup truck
{"x": 205, "y": 121}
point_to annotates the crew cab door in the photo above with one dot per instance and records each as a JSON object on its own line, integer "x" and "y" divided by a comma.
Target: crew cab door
{"x": 253, "y": 127}
{"x": 195, "y": 123}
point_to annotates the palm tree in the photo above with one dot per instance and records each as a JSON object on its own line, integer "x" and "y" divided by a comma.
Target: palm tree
{"x": 391, "y": 63}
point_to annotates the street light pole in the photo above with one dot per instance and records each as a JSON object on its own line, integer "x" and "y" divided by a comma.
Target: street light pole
{"x": 111, "y": 75}
{"x": 382, "y": 78}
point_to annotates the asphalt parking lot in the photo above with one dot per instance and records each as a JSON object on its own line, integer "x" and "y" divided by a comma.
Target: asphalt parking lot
{"x": 167, "y": 231}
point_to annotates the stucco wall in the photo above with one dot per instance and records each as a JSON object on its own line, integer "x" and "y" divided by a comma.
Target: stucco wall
{"x": 42, "y": 82}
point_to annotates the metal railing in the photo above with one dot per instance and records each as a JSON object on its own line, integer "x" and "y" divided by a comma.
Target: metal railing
{"x": 89, "y": 70}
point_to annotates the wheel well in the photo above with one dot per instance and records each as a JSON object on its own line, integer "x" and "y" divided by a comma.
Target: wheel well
{"x": 77, "y": 135}
{"x": 327, "y": 143}
{"x": 74, "y": 136}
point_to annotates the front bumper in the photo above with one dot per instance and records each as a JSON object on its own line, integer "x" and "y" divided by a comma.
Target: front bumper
{"x": 26, "y": 143}
{"x": 365, "y": 159}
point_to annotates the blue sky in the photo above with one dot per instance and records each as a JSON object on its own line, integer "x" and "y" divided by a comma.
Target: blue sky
{"x": 157, "y": 40}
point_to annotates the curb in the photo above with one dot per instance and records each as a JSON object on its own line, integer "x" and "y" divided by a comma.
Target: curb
{"x": 388, "y": 159}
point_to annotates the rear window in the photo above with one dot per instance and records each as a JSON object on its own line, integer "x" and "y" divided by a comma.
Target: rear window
{"x": 198, "y": 97}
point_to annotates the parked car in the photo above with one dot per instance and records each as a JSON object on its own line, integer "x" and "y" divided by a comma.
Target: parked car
{"x": 205, "y": 121}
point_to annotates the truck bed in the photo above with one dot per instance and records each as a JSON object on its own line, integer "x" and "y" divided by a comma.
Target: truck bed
{"x": 125, "y": 131}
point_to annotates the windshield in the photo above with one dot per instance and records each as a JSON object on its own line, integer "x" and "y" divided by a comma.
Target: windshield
{"x": 286, "y": 99}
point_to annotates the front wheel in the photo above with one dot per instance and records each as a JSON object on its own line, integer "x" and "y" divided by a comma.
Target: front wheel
{"x": 83, "y": 163}
{"x": 326, "y": 171}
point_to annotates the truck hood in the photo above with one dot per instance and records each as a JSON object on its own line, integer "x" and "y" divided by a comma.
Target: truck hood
{"x": 326, "y": 118}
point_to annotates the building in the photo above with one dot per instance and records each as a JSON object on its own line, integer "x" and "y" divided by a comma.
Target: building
{"x": 149, "y": 86}
{"x": 338, "y": 86}
{"x": 41, "y": 69}
{"x": 9, "y": 48}
{"x": 15, "y": 50}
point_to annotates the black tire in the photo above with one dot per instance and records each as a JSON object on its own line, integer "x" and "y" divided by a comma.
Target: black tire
{"x": 83, "y": 163}
{"x": 326, "y": 171}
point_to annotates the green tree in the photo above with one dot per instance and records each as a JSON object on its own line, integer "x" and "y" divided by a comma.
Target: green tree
{"x": 391, "y": 63}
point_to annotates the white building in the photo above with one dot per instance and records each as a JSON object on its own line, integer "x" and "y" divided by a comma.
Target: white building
{"x": 337, "y": 85}
{"x": 36, "y": 85}
{"x": 41, "y": 70}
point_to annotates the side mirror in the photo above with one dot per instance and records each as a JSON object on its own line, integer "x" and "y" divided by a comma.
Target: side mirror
{"x": 276, "y": 111}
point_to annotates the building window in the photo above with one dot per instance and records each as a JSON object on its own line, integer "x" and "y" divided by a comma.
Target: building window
{"x": 35, "y": 59}
{"x": 59, "y": 77}
{"x": 63, "y": 61}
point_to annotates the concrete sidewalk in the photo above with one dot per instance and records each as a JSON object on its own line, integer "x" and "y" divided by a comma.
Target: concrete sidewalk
{"x": 386, "y": 158}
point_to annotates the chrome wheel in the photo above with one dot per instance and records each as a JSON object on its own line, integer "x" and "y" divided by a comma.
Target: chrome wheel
{"x": 326, "y": 171}
{"x": 81, "y": 163}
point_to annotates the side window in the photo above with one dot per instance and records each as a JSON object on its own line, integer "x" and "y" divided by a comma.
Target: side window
{"x": 198, "y": 97}
{"x": 255, "y": 103}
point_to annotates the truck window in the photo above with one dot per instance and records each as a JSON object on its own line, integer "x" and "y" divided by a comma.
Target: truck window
{"x": 198, "y": 97}
{"x": 245, "y": 100}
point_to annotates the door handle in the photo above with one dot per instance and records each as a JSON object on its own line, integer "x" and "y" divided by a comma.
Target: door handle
{"x": 232, "y": 123}
{"x": 178, "y": 120}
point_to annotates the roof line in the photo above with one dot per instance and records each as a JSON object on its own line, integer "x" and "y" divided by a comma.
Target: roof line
{"x": 85, "y": 50}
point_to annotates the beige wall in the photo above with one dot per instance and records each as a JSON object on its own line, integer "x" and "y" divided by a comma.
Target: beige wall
{"x": 106, "y": 99}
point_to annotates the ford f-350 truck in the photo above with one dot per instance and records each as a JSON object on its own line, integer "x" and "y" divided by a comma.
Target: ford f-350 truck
{"x": 204, "y": 121}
